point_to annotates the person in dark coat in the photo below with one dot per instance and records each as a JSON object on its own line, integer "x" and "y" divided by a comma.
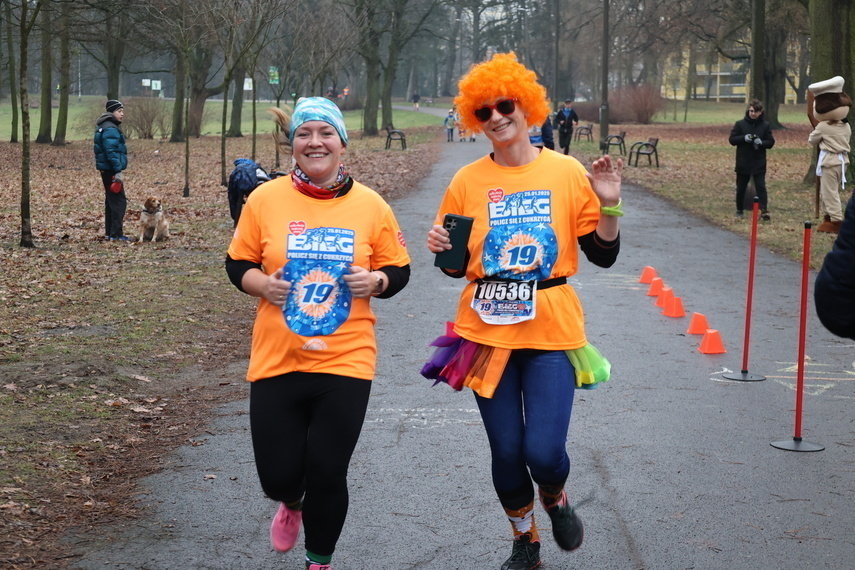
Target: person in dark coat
{"x": 111, "y": 158}
{"x": 542, "y": 136}
{"x": 752, "y": 136}
{"x": 565, "y": 119}
{"x": 834, "y": 290}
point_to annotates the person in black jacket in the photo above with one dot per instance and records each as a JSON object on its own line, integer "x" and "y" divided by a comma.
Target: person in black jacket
{"x": 111, "y": 158}
{"x": 565, "y": 119}
{"x": 834, "y": 290}
{"x": 752, "y": 136}
{"x": 542, "y": 136}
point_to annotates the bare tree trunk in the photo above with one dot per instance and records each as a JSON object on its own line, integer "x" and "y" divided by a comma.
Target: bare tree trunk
{"x": 186, "y": 146}
{"x": 758, "y": 50}
{"x": 64, "y": 75}
{"x": 13, "y": 84}
{"x": 690, "y": 82}
{"x": 199, "y": 65}
{"x": 369, "y": 47}
{"x": 224, "y": 179}
{"x": 115, "y": 47}
{"x": 25, "y": 29}
{"x": 604, "y": 95}
{"x": 389, "y": 82}
{"x": 254, "y": 109}
{"x": 556, "y": 50}
{"x": 451, "y": 57}
{"x": 177, "y": 134}
{"x": 477, "y": 49}
{"x": 46, "y": 115}
{"x": 237, "y": 102}
{"x": 776, "y": 74}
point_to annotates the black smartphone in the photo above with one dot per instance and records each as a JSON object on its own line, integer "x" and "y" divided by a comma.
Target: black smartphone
{"x": 459, "y": 228}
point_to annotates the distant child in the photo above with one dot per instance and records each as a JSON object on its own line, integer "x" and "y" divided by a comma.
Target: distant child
{"x": 449, "y": 123}
{"x": 831, "y": 133}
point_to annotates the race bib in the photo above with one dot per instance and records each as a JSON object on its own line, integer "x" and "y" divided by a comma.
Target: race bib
{"x": 500, "y": 302}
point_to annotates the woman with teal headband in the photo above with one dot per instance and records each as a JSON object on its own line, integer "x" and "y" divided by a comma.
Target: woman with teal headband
{"x": 315, "y": 247}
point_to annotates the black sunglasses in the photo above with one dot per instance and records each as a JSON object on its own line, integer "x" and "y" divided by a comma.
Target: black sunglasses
{"x": 505, "y": 107}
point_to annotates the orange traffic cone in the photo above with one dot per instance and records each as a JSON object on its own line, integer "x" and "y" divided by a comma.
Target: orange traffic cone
{"x": 665, "y": 295}
{"x": 698, "y": 324}
{"x": 674, "y": 308}
{"x": 647, "y": 275}
{"x": 656, "y": 285}
{"x": 711, "y": 343}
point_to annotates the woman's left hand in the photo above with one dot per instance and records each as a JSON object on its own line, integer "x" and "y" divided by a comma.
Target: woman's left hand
{"x": 361, "y": 282}
{"x": 605, "y": 178}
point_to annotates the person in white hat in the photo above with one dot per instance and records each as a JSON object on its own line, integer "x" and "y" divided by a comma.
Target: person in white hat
{"x": 828, "y": 107}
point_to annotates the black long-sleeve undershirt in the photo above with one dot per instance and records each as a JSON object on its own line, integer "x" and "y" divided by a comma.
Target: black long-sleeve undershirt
{"x": 598, "y": 251}
{"x": 398, "y": 277}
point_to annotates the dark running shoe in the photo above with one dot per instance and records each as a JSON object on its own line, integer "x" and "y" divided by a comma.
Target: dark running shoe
{"x": 525, "y": 555}
{"x": 566, "y": 526}
{"x": 764, "y": 215}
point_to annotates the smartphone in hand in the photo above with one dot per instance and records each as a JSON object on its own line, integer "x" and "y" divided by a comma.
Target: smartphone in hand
{"x": 459, "y": 228}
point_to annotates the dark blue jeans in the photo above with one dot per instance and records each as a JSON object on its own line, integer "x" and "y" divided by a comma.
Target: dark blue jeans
{"x": 527, "y": 421}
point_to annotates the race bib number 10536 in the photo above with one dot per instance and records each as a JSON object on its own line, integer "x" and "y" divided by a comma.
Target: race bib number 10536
{"x": 504, "y": 302}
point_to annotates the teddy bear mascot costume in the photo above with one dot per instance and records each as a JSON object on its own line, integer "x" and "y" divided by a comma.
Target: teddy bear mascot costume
{"x": 828, "y": 107}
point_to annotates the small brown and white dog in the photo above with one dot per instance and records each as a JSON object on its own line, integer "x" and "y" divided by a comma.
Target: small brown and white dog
{"x": 153, "y": 224}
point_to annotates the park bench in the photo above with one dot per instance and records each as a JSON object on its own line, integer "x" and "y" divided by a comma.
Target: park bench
{"x": 615, "y": 140}
{"x": 395, "y": 135}
{"x": 647, "y": 148}
{"x": 587, "y": 131}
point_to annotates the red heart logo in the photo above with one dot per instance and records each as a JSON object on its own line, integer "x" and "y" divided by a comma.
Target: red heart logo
{"x": 297, "y": 228}
{"x": 496, "y": 195}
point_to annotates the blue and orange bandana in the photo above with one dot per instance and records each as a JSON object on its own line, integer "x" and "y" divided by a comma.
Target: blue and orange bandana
{"x": 318, "y": 109}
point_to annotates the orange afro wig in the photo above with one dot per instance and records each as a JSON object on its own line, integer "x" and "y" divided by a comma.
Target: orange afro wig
{"x": 502, "y": 76}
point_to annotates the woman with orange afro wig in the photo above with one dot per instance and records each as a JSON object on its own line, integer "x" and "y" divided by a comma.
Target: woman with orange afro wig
{"x": 519, "y": 336}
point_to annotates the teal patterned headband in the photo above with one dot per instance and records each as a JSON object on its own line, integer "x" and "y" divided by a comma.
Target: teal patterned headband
{"x": 318, "y": 109}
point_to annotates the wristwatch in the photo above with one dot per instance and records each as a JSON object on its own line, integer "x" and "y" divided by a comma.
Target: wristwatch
{"x": 378, "y": 288}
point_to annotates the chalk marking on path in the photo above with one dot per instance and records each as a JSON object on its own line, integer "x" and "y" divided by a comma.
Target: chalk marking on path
{"x": 424, "y": 418}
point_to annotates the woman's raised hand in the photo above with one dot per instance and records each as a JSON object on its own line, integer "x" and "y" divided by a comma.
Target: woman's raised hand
{"x": 605, "y": 177}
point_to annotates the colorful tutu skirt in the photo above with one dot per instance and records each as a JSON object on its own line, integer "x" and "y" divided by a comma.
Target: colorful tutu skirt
{"x": 459, "y": 362}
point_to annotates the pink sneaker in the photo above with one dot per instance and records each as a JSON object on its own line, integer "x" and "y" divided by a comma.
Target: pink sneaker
{"x": 285, "y": 528}
{"x": 316, "y": 566}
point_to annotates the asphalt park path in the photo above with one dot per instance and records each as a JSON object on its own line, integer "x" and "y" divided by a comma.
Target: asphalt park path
{"x": 677, "y": 459}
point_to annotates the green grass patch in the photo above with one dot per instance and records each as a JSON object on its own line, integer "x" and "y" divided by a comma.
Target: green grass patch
{"x": 82, "y": 115}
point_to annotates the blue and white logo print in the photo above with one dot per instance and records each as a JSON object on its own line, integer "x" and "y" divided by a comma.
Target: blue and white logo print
{"x": 318, "y": 260}
{"x": 520, "y": 244}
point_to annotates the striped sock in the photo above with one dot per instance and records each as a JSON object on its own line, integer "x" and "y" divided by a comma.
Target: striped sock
{"x": 522, "y": 521}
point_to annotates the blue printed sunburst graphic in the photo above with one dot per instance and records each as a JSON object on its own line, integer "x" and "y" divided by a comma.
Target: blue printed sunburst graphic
{"x": 320, "y": 300}
{"x": 520, "y": 251}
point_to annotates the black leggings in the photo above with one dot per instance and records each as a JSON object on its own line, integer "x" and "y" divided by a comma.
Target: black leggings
{"x": 304, "y": 429}
{"x": 759, "y": 188}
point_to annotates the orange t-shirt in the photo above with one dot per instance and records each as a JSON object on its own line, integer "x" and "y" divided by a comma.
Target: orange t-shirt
{"x": 527, "y": 221}
{"x": 322, "y": 327}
